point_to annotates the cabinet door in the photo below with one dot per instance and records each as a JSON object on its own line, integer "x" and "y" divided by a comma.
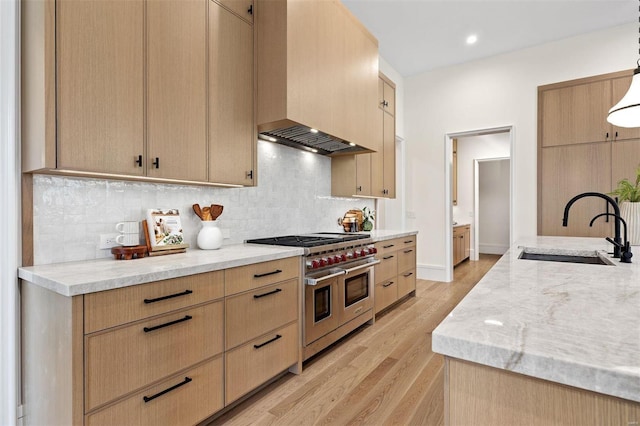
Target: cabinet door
{"x": 177, "y": 89}
{"x": 389, "y": 98}
{"x": 466, "y": 242}
{"x": 619, "y": 88}
{"x": 242, "y": 8}
{"x": 100, "y": 85}
{"x": 364, "y": 174}
{"x": 575, "y": 114}
{"x": 389, "y": 153}
{"x": 232, "y": 133}
{"x": 625, "y": 160}
{"x": 568, "y": 171}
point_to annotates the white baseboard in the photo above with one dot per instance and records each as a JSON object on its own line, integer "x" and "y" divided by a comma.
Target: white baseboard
{"x": 493, "y": 249}
{"x": 431, "y": 272}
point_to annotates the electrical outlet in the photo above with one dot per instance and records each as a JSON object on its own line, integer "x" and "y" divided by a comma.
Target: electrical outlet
{"x": 411, "y": 214}
{"x": 107, "y": 241}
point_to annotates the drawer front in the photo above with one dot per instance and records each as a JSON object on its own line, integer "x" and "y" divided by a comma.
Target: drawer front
{"x": 388, "y": 246}
{"x": 409, "y": 241}
{"x": 406, "y": 282}
{"x": 257, "y": 275}
{"x": 249, "y": 366}
{"x": 128, "y": 358}
{"x": 195, "y": 394}
{"x": 114, "y": 307}
{"x": 406, "y": 259}
{"x": 461, "y": 229}
{"x": 387, "y": 268}
{"x": 251, "y": 314}
{"x": 386, "y": 293}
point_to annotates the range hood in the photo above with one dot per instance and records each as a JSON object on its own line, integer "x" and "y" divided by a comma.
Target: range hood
{"x": 313, "y": 140}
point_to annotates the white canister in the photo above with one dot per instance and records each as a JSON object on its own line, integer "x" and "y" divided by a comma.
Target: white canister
{"x": 210, "y": 236}
{"x": 630, "y": 212}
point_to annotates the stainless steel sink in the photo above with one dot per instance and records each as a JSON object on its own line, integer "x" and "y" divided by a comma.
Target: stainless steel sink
{"x": 569, "y": 256}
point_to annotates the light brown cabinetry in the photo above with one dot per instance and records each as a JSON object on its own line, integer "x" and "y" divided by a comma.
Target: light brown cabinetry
{"x": 579, "y": 151}
{"x": 461, "y": 243}
{"x": 371, "y": 175}
{"x": 133, "y": 90}
{"x": 169, "y": 352}
{"x": 395, "y": 275}
{"x": 317, "y": 67}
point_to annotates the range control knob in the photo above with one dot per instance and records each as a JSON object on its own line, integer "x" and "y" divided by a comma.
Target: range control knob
{"x": 343, "y": 257}
{"x": 330, "y": 260}
{"x": 374, "y": 250}
{"x": 363, "y": 253}
{"x": 336, "y": 259}
{"x": 323, "y": 262}
{"x": 315, "y": 264}
{"x": 355, "y": 254}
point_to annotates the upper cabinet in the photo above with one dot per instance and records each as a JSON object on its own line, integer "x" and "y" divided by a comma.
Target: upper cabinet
{"x": 374, "y": 174}
{"x": 152, "y": 90}
{"x": 317, "y": 68}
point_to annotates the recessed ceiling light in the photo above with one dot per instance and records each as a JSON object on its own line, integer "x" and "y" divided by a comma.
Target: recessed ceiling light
{"x": 313, "y": 130}
{"x": 352, "y": 144}
{"x": 472, "y": 39}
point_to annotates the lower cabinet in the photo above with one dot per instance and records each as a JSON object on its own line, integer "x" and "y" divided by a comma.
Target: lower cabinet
{"x": 173, "y": 352}
{"x": 461, "y": 243}
{"x": 395, "y": 275}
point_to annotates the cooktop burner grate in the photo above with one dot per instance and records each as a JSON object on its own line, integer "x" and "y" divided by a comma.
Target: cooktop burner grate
{"x": 309, "y": 240}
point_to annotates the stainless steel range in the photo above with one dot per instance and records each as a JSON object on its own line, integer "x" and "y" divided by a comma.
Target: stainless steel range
{"x": 338, "y": 284}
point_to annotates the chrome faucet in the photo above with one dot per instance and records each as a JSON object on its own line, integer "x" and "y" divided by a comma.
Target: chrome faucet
{"x": 626, "y": 255}
{"x": 617, "y": 242}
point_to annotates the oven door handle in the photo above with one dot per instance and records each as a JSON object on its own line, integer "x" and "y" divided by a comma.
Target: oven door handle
{"x": 357, "y": 268}
{"x": 316, "y": 281}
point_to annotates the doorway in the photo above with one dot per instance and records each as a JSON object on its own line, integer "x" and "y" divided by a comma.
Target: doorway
{"x": 484, "y": 144}
{"x": 492, "y": 198}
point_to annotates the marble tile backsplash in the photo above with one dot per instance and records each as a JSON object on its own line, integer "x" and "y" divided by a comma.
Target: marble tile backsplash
{"x": 293, "y": 196}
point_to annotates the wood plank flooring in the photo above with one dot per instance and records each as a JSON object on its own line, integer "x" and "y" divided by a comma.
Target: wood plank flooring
{"x": 384, "y": 374}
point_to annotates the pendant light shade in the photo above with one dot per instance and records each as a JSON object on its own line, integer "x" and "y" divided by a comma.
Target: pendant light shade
{"x": 626, "y": 113}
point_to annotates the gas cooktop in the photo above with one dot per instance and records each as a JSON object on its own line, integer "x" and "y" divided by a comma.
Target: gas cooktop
{"x": 309, "y": 240}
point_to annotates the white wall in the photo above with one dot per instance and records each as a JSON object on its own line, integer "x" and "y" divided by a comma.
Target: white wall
{"x": 493, "y": 206}
{"x": 494, "y": 92}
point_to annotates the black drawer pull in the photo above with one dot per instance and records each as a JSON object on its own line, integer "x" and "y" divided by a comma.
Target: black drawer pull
{"x": 258, "y": 296}
{"x": 277, "y": 271}
{"x": 182, "y": 383}
{"x": 387, "y": 284}
{"x": 387, "y": 257}
{"x": 389, "y": 246}
{"x": 408, "y": 241}
{"x": 186, "y": 318}
{"x": 408, "y": 275}
{"x": 267, "y": 342}
{"x": 171, "y": 296}
{"x": 408, "y": 251}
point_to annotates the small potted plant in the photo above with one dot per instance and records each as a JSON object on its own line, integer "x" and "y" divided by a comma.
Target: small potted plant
{"x": 368, "y": 216}
{"x": 628, "y": 195}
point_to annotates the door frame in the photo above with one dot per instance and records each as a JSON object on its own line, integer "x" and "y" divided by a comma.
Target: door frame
{"x": 448, "y": 183}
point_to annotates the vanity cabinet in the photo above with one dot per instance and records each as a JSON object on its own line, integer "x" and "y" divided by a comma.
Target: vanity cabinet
{"x": 132, "y": 90}
{"x": 579, "y": 151}
{"x": 461, "y": 243}
{"x": 395, "y": 275}
{"x": 169, "y": 352}
{"x": 374, "y": 174}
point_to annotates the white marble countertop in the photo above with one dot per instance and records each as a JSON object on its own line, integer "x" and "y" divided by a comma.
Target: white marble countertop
{"x": 389, "y": 234}
{"x": 574, "y": 324}
{"x": 74, "y": 278}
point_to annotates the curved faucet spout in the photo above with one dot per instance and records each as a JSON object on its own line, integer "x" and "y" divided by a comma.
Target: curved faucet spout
{"x": 616, "y": 209}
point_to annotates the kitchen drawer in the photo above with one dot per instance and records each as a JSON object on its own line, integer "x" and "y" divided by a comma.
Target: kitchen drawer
{"x": 387, "y": 268}
{"x": 461, "y": 229}
{"x": 186, "y": 404}
{"x": 406, "y": 258}
{"x": 251, "y": 365}
{"x": 251, "y": 314}
{"x": 387, "y": 246}
{"x": 114, "y": 307}
{"x": 248, "y": 277}
{"x": 409, "y": 241}
{"x": 127, "y": 358}
{"x": 406, "y": 282}
{"x": 386, "y": 292}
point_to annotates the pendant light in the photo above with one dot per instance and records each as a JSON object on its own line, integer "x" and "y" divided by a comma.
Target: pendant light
{"x": 626, "y": 113}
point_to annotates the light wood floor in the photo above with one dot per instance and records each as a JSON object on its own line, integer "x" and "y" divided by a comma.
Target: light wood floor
{"x": 384, "y": 374}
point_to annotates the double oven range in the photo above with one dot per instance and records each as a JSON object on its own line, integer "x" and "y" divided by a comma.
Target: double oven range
{"x": 338, "y": 284}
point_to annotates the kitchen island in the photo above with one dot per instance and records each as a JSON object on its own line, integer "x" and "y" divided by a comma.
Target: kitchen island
{"x": 570, "y": 332}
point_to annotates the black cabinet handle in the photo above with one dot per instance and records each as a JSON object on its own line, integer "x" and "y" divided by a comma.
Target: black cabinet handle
{"x": 408, "y": 241}
{"x": 186, "y": 318}
{"x": 250, "y": 10}
{"x": 387, "y": 284}
{"x": 359, "y": 188}
{"x": 408, "y": 251}
{"x": 277, "y": 271}
{"x": 267, "y": 342}
{"x": 408, "y": 275}
{"x": 250, "y": 174}
{"x": 182, "y": 383}
{"x": 387, "y": 257}
{"x": 607, "y": 135}
{"x": 156, "y": 163}
{"x": 171, "y": 296}
{"x": 139, "y": 161}
{"x": 258, "y": 296}
{"x": 389, "y": 246}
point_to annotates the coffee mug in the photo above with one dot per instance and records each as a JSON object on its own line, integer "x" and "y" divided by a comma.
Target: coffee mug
{"x": 128, "y": 239}
{"x": 128, "y": 227}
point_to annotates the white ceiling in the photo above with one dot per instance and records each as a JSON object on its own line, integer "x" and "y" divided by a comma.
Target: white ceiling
{"x": 419, "y": 35}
